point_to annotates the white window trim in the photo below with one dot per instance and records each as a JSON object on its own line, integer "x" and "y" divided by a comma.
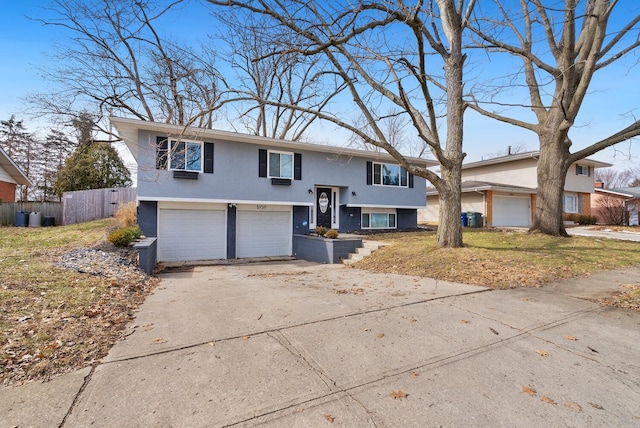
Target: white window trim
{"x": 583, "y": 169}
{"x": 565, "y": 205}
{"x": 269, "y": 175}
{"x": 386, "y": 211}
{"x": 373, "y": 175}
{"x": 170, "y": 155}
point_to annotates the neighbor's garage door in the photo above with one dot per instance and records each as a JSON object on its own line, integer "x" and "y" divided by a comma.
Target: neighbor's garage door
{"x": 191, "y": 235}
{"x": 511, "y": 211}
{"x": 263, "y": 233}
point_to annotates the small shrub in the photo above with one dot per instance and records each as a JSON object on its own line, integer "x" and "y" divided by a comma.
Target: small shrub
{"x": 320, "y": 230}
{"x": 331, "y": 234}
{"x": 126, "y": 215}
{"x": 124, "y": 236}
{"x": 572, "y": 217}
{"x": 587, "y": 219}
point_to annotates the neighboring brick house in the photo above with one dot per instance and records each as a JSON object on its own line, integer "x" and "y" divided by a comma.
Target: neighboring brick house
{"x": 10, "y": 176}
{"x": 504, "y": 191}
{"x": 616, "y": 206}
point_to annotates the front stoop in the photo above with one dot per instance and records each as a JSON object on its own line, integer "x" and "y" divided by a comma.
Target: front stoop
{"x": 367, "y": 248}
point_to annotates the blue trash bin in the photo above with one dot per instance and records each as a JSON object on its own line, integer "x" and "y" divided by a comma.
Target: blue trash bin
{"x": 22, "y": 219}
{"x": 464, "y": 219}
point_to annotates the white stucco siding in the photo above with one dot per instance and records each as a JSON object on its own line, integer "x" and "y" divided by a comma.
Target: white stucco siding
{"x": 473, "y": 202}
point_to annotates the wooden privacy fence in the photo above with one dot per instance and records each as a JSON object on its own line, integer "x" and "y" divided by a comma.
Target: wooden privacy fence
{"x": 88, "y": 205}
{"x": 46, "y": 209}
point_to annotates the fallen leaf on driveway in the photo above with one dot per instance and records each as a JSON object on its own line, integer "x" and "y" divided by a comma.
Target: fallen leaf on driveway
{"x": 573, "y": 338}
{"x": 530, "y": 391}
{"x": 548, "y": 400}
{"x": 573, "y": 406}
{"x": 329, "y": 418}
{"x": 380, "y": 335}
{"x": 493, "y": 331}
{"x": 413, "y": 374}
{"x": 367, "y": 329}
{"x": 542, "y": 353}
{"x": 245, "y": 337}
{"x": 159, "y": 340}
{"x": 398, "y": 395}
{"x": 465, "y": 321}
{"x": 596, "y": 406}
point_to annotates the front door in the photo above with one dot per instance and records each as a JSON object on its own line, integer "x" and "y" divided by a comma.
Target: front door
{"x": 323, "y": 207}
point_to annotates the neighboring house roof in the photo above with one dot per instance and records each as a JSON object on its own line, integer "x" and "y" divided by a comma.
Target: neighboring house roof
{"x": 526, "y": 155}
{"x": 128, "y": 131}
{"x": 478, "y": 186}
{"x": 13, "y": 170}
{"x": 627, "y": 192}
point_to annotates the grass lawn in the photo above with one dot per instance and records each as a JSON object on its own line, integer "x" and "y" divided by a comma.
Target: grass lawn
{"x": 499, "y": 259}
{"x": 54, "y": 320}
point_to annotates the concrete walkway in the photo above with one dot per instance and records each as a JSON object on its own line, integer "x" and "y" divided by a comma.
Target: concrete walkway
{"x": 296, "y": 344}
{"x": 607, "y": 233}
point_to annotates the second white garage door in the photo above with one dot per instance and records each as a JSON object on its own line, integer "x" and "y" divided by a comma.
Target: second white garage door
{"x": 186, "y": 234}
{"x": 263, "y": 233}
{"x": 511, "y": 211}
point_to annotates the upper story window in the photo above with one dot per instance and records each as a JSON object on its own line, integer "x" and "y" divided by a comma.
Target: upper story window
{"x": 386, "y": 174}
{"x": 583, "y": 170}
{"x": 280, "y": 165}
{"x": 185, "y": 156}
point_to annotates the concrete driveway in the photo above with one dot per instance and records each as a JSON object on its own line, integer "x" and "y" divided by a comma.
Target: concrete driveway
{"x": 606, "y": 233}
{"x": 298, "y": 344}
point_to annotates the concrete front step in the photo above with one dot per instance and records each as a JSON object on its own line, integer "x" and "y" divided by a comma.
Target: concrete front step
{"x": 367, "y": 248}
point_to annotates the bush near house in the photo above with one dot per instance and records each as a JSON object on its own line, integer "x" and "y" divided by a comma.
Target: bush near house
{"x": 124, "y": 236}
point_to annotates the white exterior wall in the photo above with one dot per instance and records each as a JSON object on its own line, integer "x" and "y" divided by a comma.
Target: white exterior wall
{"x": 430, "y": 213}
{"x": 579, "y": 183}
{"x": 473, "y": 202}
{"x": 515, "y": 173}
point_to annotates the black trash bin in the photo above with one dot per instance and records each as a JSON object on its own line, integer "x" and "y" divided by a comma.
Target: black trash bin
{"x": 49, "y": 221}
{"x": 22, "y": 219}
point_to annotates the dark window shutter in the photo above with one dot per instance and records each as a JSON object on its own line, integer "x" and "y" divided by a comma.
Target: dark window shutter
{"x": 377, "y": 174}
{"x": 588, "y": 171}
{"x": 162, "y": 150}
{"x": 369, "y": 173}
{"x": 297, "y": 166}
{"x": 262, "y": 163}
{"x": 208, "y": 158}
{"x": 410, "y": 181}
{"x": 577, "y": 169}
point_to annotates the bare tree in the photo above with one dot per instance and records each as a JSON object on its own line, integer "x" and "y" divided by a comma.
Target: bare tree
{"x": 613, "y": 178}
{"x": 383, "y": 54}
{"x": 611, "y": 209}
{"x": 509, "y": 150}
{"x": 25, "y": 150}
{"x": 561, "y": 49}
{"x": 288, "y": 78}
{"x": 118, "y": 62}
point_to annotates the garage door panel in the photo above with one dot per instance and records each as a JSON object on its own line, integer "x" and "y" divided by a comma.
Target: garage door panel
{"x": 511, "y": 211}
{"x": 186, "y": 235}
{"x": 263, "y": 234}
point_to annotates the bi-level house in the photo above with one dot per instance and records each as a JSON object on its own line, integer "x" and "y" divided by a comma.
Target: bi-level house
{"x": 209, "y": 194}
{"x": 504, "y": 189}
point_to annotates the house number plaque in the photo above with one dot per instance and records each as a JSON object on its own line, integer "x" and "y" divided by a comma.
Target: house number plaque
{"x": 323, "y": 201}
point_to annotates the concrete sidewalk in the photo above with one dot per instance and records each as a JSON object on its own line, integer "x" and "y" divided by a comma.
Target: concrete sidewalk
{"x": 301, "y": 344}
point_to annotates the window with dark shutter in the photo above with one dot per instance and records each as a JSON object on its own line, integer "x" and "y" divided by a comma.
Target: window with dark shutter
{"x": 162, "y": 149}
{"x": 410, "y": 181}
{"x": 377, "y": 173}
{"x": 208, "y": 158}
{"x": 369, "y": 173}
{"x": 297, "y": 166}
{"x": 262, "y": 163}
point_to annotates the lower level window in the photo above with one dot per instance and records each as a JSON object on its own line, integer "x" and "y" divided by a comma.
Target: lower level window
{"x": 571, "y": 204}
{"x": 378, "y": 220}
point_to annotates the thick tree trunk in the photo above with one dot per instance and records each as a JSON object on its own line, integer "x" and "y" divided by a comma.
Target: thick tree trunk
{"x": 552, "y": 170}
{"x": 449, "y": 226}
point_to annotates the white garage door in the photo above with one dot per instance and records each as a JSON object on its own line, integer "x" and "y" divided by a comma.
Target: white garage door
{"x": 191, "y": 235}
{"x": 263, "y": 233}
{"x": 511, "y": 211}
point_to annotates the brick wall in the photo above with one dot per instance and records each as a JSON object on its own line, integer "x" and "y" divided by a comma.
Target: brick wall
{"x": 7, "y": 192}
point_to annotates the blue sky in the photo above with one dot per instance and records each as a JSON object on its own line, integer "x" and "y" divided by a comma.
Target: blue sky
{"x": 24, "y": 45}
